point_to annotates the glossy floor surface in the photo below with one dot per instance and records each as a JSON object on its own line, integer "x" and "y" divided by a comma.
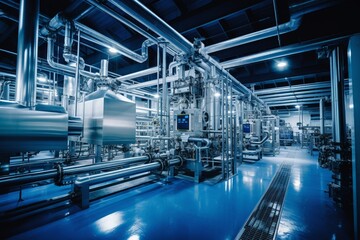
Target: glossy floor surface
{"x": 185, "y": 210}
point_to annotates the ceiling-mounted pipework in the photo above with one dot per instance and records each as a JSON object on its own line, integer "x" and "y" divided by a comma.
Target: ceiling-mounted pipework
{"x": 281, "y": 52}
{"x": 102, "y": 40}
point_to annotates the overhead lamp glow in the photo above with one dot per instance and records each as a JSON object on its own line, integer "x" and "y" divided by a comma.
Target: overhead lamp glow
{"x": 228, "y": 97}
{"x": 297, "y": 106}
{"x": 217, "y": 94}
{"x": 113, "y": 50}
{"x": 156, "y": 95}
{"x": 351, "y": 106}
{"x": 281, "y": 64}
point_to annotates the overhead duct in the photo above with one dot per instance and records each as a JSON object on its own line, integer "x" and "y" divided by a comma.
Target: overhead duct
{"x": 26, "y": 70}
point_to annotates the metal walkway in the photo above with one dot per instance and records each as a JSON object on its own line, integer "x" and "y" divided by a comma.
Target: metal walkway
{"x": 264, "y": 220}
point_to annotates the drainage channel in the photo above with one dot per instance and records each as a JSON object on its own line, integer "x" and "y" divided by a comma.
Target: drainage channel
{"x": 264, "y": 220}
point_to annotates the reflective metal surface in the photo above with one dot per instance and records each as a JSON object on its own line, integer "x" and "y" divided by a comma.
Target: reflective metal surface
{"x": 23, "y": 130}
{"x": 26, "y": 69}
{"x": 108, "y": 118}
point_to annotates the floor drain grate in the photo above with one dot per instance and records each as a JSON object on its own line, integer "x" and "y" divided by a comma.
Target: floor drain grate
{"x": 264, "y": 220}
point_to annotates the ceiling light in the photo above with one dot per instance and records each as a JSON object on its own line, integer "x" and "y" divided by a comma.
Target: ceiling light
{"x": 228, "y": 97}
{"x": 297, "y": 106}
{"x": 351, "y": 106}
{"x": 113, "y": 50}
{"x": 156, "y": 95}
{"x": 281, "y": 64}
{"x": 217, "y": 94}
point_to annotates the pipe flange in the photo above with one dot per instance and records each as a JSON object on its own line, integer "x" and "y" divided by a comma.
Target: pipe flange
{"x": 60, "y": 174}
{"x": 150, "y": 157}
{"x": 181, "y": 161}
{"x": 161, "y": 163}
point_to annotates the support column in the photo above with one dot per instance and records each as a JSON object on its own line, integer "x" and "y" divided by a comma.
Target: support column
{"x": 321, "y": 110}
{"x": 337, "y": 94}
{"x": 354, "y": 83}
{"x": 26, "y": 69}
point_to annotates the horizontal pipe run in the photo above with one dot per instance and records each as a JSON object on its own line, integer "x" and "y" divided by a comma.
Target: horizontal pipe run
{"x": 143, "y": 15}
{"x": 102, "y": 40}
{"x": 292, "y": 103}
{"x": 16, "y": 180}
{"x": 300, "y": 87}
{"x": 290, "y": 26}
{"x": 126, "y": 172}
{"x": 281, "y": 52}
{"x": 142, "y": 73}
{"x": 294, "y": 94}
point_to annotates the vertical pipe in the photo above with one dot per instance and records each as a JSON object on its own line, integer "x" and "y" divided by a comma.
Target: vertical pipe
{"x": 321, "y": 110}
{"x": 104, "y": 66}
{"x": 6, "y": 91}
{"x": 337, "y": 93}
{"x": 98, "y": 149}
{"x": 26, "y": 70}
{"x": 222, "y": 130}
{"x": 77, "y": 76}
{"x": 354, "y": 83}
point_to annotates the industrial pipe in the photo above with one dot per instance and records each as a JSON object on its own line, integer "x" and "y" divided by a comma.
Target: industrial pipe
{"x": 262, "y": 141}
{"x": 107, "y": 176}
{"x": 290, "y": 26}
{"x": 16, "y": 180}
{"x": 142, "y": 73}
{"x": 281, "y": 52}
{"x": 63, "y": 67}
{"x": 205, "y": 141}
{"x": 102, "y": 40}
{"x": 26, "y": 70}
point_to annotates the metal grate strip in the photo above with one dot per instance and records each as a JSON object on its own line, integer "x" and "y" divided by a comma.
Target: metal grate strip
{"x": 264, "y": 220}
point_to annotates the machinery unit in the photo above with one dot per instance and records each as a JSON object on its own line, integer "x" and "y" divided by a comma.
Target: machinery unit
{"x": 109, "y": 118}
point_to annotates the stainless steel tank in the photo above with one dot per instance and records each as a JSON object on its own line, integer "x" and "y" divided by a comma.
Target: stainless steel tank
{"x": 109, "y": 119}
{"x": 22, "y": 130}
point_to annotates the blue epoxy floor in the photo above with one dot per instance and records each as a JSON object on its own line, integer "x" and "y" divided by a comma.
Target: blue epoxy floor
{"x": 308, "y": 212}
{"x": 185, "y": 210}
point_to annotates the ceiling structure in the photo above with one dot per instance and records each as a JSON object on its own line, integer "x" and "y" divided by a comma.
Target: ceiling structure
{"x": 246, "y": 37}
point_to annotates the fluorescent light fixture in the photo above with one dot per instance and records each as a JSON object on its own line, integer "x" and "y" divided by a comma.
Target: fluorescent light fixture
{"x": 156, "y": 95}
{"x": 297, "y": 106}
{"x": 281, "y": 64}
{"x": 229, "y": 97}
{"x": 351, "y": 106}
{"x": 113, "y": 50}
{"x": 217, "y": 94}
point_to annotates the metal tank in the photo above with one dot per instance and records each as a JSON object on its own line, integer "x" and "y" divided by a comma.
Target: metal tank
{"x": 23, "y": 130}
{"x": 109, "y": 118}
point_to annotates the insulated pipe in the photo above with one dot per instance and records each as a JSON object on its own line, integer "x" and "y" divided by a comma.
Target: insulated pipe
{"x": 316, "y": 101}
{"x": 205, "y": 141}
{"x": 63, "y": 67}
{"x": 295, "y": 93}
{"x": 290, "y": 26}
{"x": 15, "y": 180}
{"x": 27, "y": 52}
{"x": 104, "y": 66}
{"x": 321, "y": 111}
{"x": 123, "y": 20}
{"x": 102, "y": 40}
{"x": 142, "y": 73}
{"x": 281, "y": 52}
{"x": 126, "y": 172}
{"x": 143, "y": 15}
{"x": 337, "y": 95}
{"x": 262, "y": 141}
{"x": 300, "y": 87}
